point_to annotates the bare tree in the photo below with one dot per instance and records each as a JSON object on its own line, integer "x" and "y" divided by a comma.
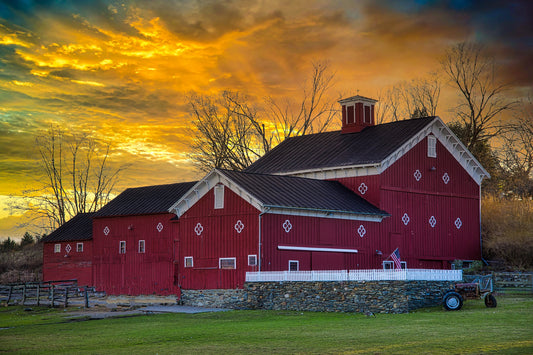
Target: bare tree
{"x": 76, "y": 177}
{"x": 481, "y": 100}
{"x": 229, "y": 132}
{"x": 314, "y": 113}
{"x": 517, "y": 152}
{"x": 413, "y": 99}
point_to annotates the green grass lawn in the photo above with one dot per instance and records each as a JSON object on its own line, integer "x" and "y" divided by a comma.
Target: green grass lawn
{"x": 507, "y": 329}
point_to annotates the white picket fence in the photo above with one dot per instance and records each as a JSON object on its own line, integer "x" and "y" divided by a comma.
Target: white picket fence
{"x": 357, "y": 275}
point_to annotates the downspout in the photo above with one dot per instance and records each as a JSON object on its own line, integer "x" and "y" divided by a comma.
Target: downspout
{"x": 260, "y": 242}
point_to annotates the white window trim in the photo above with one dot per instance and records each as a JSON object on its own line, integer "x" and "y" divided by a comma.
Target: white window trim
{"x": 218, "y": 191}
{"x": 185, "y": 259}
{"x": 120, "y": 244}
{"x": 79, "y": 247}
{"x": 432, "y": 147}
{"x": 143, "y": 242}
{"x": 297, "y": 265}
{"x": 57, "y": 248}
{"x": 254, "y": 260}
{"x": 391, "y": 266}
{"x": 234, "y": 263}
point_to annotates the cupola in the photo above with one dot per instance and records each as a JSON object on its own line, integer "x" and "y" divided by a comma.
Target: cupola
{"x": 357, "y": 113}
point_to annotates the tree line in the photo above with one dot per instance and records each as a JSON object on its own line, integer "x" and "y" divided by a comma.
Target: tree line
{"x": 22, "y": 261}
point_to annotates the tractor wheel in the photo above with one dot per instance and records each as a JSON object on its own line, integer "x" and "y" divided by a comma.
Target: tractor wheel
{"x": 490, "y": 301}
{"x": 452, "y": 301}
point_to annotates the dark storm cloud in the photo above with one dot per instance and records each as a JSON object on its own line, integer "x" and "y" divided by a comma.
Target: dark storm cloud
{"x": 198, "y": 20}
{"x": 505, "y": 28}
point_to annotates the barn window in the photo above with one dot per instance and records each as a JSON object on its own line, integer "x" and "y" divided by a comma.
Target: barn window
{"x": 141, "y": 246}
{"x": 227, "y": 263}
{"x": 389, "y": 265}
{"x": 189, "y": 262}
{"x": 294, "y": 265}
{"x": 350, "y": 117}
{"x": 252, "y": 260}
{"x": 219, "y": 196}
{"x": 367, "y": 117}
{"x": 122, "y": 247}
{"x": 432, "y": 147}
{"x": 79, "y": 247}
{"x": 57, "y": 248}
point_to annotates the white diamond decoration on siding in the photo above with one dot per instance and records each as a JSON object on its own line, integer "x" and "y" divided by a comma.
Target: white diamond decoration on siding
{"x": 417, "y": 175}
{"x": 446, "y": 178}
{"x": 239, "y": 226}
{"x": 198, "y": 229}
{"x": 159, "y": 227}
{"x": 68, "y": 248}
{"x": 362, "y": 188}
{"x": 405, "y": 219}
{"x": 361, "y": 230}
{"x": 287, "y": 226}
{"x": 432, "y": 221}
{"x": 458, "y": 223}
{"x": 106, "y": 230}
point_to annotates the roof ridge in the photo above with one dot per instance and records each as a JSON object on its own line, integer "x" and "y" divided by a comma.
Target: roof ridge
{"x": 276, "y": 175}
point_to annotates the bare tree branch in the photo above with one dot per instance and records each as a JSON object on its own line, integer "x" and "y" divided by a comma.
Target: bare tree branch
{"x": 229, "y": 133}
{"x": 481, "y": 99}
{"x": 76, "y": 178}
{"x": 413, "y": 99}
{"x": 315, "y": 112}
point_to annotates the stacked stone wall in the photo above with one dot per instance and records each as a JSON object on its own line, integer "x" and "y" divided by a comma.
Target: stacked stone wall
{"x": 325, "y": 296}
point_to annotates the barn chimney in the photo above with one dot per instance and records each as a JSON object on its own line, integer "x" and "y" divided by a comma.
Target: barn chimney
{"x": 357, "y": 113}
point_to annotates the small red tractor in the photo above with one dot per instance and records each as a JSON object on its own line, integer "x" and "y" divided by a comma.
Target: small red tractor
{"x": 478, "y": 287}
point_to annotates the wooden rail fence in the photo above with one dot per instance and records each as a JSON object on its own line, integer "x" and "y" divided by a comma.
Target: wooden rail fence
{"x": 51, "y": 293}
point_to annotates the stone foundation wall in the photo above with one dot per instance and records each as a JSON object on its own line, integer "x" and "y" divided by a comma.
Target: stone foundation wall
{"x": 234, "y": 299}
{"x": 346, "y": 296}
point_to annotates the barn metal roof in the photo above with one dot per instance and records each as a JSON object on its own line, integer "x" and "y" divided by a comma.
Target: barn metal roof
{"x": 145, "y": 200}
{"x": 79, "y": 227}
{"x": 334, "y": 149}
{"x": 302, "y": 193}
{"x": 286, "y": 195}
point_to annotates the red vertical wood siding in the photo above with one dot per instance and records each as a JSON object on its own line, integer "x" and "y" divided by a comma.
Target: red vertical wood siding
{"x": 134, "y": 273}
{"x": 68, "y": 266}
{"x": 446, "y": 192}
{"x": 319, "y": 233}
{"x": 443, "y": 190}
{"x": 368, "y": 187}
{"x": 218, "y": 239}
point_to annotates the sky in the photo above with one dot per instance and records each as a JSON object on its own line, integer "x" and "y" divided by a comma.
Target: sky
{"x": 122, "y": 70}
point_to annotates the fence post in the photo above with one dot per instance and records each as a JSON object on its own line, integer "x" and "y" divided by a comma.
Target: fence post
{"x": 66, "y": 296}
{"x": 86, "y": 298}
{"x": 23, "y": 294}
{"x": 9, "y": 294}
{"x": 38, "y": 295}
{"x": 52, "y": 296}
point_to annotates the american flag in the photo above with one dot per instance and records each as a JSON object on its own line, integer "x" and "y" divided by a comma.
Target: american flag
{"x": 396, "y": 257}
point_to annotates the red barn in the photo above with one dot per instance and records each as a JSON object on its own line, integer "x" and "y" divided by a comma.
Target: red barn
{"x": 68, "y": 251}
{"x": 335, "y": 200}
{"x": 134, "y": 238}
{"x": 232, "y": 222}
{"x": 416, "y": 170}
